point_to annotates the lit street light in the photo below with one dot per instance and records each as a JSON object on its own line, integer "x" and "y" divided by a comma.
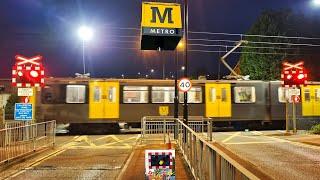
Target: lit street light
{"x": 183, "y": 68}
{"x": 180, "y": 44}
{"x": 316, "y": 3}
{"x": 152, "y": 71}
{"x": 85, "y": 34}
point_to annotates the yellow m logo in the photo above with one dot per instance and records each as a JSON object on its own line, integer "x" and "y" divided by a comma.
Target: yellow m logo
{"x": 161, "y": 15}
{"x": 167, "y": 14}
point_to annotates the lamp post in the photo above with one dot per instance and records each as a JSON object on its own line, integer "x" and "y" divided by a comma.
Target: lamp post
{"x": 85, "y": 33}
{"x": 185, "y": 94}
{"x": 316, "y": 3}
{"x": 176, "y": 93}
{"x": 151, "y": 73}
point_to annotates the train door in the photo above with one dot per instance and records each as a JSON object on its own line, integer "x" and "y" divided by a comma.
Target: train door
{"x": 310, "y": 100}
{"x": 112, "y": 100}
{"x": 103, "y": 100}
{"x": 316, "y": 105}
{"x": 218, "y": 100}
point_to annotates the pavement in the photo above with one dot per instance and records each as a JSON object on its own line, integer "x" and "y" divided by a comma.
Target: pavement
{"x": 76, "y": 157}
{"x": 276, "y": 153}
{"x": 135, "y": 169}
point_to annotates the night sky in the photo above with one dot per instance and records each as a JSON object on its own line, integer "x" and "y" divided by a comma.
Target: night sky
{"x": 49, "y": 28}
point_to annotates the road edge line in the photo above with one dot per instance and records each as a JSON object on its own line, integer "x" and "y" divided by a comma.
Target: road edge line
{"x": 119, "y": 177}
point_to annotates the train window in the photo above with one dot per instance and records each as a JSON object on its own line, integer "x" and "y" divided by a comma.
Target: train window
{"x": 244, "y": 95}
{"x": 135, "y": 94}
{"x": 76, "y": 93}
{"x": 283, "y": 94}
{"x": 212, "y": 94}
{"x": 307, "y": 95}
{"x": 194, "y": 95}
{"x": 317, "y": 95}
{"x": 223, "y": 95}
{"x": 162, "y": 94}
{"x": 112, "y": 94}
{"x": 97, "y": 94}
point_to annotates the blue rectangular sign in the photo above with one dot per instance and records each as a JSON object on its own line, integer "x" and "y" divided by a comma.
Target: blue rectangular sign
{"x": 23, "y": 111}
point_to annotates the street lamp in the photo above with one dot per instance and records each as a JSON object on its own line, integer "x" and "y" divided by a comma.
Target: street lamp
{"x": 316, "y": 3}
{"x": 85, "y": 33}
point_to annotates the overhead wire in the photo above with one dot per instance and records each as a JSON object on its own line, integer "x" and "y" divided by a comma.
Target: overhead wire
{"x": 225, "y": 41}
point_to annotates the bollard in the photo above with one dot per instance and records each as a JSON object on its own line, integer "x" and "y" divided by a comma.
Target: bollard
{"x": 54, "y": 133}
{"x": 210, "y": 130}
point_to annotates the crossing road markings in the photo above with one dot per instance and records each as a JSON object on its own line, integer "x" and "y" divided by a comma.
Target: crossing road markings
{"x": 111, "y": 145}
{"x": 118, "y": 141}
{"x": 231, "y": 137}
{"x": 86, "y": 140}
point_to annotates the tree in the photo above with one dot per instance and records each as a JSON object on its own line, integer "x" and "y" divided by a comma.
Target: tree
{"x": 265, "y": 63}
{"x": 9, "y": 109}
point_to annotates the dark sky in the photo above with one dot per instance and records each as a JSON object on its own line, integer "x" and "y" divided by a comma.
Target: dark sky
{"x": 49, "y": 28}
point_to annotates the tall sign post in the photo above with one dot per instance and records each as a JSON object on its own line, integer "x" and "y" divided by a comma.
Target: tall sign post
{"x": 185, "y": 95}
{"x": 293, "y": 76}
{"x": 161, "y": 29}
{"x": 27, "y": 73}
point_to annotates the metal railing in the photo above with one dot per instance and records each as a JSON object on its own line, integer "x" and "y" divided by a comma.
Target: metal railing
{"x": 157, "y": 127}
{"x": 17, "y": 141}
{"x": 11, "y": 124}
{"x": 206, "y": 160}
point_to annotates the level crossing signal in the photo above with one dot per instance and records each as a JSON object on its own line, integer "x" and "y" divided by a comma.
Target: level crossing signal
{"x": 28, "y": 72}
{"x": 293, "y": 75}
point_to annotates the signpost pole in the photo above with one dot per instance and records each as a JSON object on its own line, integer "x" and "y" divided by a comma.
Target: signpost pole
{"x": 294, "y": 123}
{"x": 176, "y": 95}
{"x": 185, "y": 97}
{"x": 287, "y": 117}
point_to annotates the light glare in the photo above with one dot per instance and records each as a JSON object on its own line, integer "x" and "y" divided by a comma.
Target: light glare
{"x": 316, "y": 3}
{"x": 85, "y": 33}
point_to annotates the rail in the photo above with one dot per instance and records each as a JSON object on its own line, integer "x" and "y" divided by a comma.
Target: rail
{"x": 207, "y": 161}
{"x": 17, "y": 141}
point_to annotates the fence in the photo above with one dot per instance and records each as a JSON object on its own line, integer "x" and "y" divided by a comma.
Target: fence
{"x": 205, "y": 160}
{"x": 157, "y": 127}
{"x": 16, "y": 141}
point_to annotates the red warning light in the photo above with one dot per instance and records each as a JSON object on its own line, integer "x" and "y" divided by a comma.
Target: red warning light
{"x": 300, "y": 76}
{"x": 28, "y": 72}
{"x": 289, "y": 76}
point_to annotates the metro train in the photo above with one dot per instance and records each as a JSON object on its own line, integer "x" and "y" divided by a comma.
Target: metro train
{"x": 241, "y": 104}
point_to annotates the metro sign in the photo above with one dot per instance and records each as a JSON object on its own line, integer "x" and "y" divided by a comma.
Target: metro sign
{"x": 161, "y": 25}
{"x": 293, "y": 75}
{"x": 28, "y": 72}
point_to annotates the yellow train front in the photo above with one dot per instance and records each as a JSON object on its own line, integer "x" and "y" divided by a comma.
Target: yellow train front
{"x": 104, "y": 103}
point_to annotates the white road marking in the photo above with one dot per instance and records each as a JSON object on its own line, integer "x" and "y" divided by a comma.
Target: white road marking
{"x": 231, "y": 137}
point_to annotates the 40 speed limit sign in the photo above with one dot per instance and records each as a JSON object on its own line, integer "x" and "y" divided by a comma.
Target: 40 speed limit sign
{"x": 184, "y": 84}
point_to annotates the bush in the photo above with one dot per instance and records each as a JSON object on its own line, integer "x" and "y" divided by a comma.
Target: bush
{"x": 315, "y": 129}
{"x": 9, "y": 109}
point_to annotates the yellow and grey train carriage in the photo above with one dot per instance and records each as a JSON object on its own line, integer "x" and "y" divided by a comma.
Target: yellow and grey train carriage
{"x": 97, "y": 102}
